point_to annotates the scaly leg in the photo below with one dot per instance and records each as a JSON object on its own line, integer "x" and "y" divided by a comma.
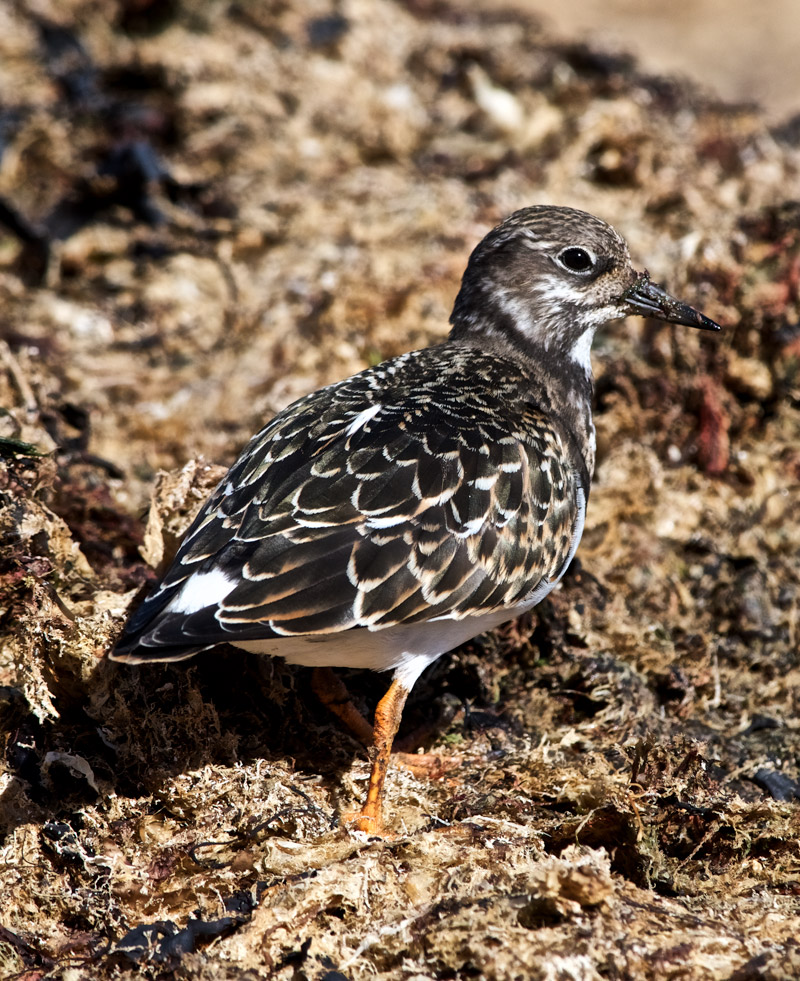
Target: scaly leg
{"x": 387, "y": 720}
{"x": 332, "y": 692}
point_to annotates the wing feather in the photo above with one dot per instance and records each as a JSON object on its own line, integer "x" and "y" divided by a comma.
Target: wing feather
{"x": 335, "y": 518}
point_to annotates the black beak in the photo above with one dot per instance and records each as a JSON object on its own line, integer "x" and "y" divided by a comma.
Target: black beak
{"x": 645, "y": 299}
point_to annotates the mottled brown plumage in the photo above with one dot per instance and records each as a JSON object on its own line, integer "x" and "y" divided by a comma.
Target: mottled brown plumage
{"x": 448, "y": 501}
{"x": 383, "y": 520}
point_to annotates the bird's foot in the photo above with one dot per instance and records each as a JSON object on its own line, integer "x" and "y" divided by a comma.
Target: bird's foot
{"x": 428, "y": 766}
{"x": 367, "y": 822}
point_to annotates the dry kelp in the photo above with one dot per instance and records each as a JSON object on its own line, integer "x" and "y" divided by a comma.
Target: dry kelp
{"x": 210, "y": 210}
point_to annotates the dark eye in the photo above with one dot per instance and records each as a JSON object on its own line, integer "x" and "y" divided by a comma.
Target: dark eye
{"x": 576, "y": 260}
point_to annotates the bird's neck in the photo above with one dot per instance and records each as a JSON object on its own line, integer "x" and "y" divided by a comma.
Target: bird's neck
{"x": 558, "y": 384}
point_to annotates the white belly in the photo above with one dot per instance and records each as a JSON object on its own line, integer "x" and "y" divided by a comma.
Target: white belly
{"x": 406, "y": 649}
{"x": 378, "y": 650}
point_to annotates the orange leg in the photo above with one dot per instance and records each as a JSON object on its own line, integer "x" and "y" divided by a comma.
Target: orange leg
{"x": 331, "y": 691}
{"x": 387, "y": 720}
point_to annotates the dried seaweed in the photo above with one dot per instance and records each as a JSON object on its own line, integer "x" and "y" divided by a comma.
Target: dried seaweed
{"x": 208, "y": 213}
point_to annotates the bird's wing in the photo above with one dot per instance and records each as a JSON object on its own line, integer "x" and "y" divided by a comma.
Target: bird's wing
{"x": 349, "y": 513}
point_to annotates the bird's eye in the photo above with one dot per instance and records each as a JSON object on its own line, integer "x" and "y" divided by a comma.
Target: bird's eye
{"x": 576, "y": 260}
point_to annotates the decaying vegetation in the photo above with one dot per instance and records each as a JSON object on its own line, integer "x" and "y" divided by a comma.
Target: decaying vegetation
{"x": 210, "y": 209}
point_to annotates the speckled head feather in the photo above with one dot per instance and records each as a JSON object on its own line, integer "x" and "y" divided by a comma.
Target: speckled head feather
{"x": 545, "y": 279}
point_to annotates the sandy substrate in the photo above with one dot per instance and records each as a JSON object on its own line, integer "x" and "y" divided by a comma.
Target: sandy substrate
{"x": 741, "y": 51}
{"x": 212, "y": 209}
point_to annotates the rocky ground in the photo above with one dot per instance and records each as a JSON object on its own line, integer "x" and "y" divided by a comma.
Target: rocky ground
{"x": 210, "y": 209}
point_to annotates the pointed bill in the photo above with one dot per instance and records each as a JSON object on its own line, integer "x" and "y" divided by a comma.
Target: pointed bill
{"x": 646, "y": 299}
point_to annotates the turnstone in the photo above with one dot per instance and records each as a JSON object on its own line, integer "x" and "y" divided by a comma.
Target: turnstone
{"x": 388, "y": 518}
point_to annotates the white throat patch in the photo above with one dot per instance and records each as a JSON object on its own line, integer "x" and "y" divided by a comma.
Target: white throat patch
{"x": 581, "y": 352}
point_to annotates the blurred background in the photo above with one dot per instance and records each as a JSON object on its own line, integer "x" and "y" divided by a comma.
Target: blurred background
{"x": 742, "y": 51}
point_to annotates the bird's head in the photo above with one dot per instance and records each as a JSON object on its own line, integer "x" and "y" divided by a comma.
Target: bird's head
{"x": 547, "y": 278}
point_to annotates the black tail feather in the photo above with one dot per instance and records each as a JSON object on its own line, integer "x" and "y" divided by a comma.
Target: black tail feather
{"x": 132, "y": 652}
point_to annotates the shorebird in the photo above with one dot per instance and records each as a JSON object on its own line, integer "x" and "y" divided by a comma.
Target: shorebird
{"x": 384, "y": 520}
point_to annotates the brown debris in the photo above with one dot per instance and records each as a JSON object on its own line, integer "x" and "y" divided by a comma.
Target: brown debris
{"x": 206, "y": 217}
{"x": 177, "y": 497}
{"x": 713, "y": 444}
